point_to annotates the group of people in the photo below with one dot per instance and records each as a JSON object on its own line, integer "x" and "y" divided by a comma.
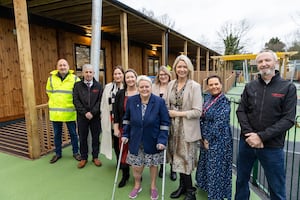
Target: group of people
{"x": 147, "y": 119}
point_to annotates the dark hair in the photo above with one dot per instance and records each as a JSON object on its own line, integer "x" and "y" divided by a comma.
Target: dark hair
{"x": 118, "y": 67}
{"x": 129, "y": 70}
{"x": 213, "y": 76}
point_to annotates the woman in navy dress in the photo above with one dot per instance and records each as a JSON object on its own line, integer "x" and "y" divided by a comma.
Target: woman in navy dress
{"x": 214, "y": 171}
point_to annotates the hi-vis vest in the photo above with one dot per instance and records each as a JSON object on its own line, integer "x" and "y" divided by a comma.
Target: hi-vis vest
{"x": 60, "y": 93}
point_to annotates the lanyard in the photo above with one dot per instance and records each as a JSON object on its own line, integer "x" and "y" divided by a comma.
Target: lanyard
{"x": 206, "y": 107}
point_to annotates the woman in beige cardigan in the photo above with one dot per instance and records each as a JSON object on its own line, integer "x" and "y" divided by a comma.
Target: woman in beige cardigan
{"x": 184, "y": 101}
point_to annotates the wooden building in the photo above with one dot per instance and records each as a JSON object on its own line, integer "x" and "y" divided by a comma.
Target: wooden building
{"x": 62, "y": 29}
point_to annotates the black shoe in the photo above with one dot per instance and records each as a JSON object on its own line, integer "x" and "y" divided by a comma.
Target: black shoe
{"x": 180, "y": 190}
{"x": 173, "y": 176}
{"x": 160, "y": 173}
{"x": 77, "y": 156}
{"x": 191, "y": 194}
{"x": 177, "y": 193}
{"x": 54, "y": 159}
{"x": 123, "y": 182}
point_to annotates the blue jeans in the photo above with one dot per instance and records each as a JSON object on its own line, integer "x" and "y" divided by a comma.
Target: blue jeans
{"x": 57, "y": 128}
{"x": 272, "y": 161}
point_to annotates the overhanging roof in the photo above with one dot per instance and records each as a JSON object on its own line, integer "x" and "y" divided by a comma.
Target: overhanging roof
{"x": 141, "y": 28}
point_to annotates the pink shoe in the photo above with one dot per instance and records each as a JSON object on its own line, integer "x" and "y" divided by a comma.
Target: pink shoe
{"x": 154, "y": 194}
{"x": 134, "y": 193}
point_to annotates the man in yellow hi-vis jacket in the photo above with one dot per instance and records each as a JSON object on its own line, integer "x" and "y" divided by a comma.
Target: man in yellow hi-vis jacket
{"x": 59, "y": 89}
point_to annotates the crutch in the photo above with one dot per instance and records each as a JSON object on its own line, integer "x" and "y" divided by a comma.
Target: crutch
{"x": 164, "y": 176}
{"x": 117, "y": 172}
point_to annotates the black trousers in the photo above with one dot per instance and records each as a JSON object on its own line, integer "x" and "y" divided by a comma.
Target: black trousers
{"x": 83, "y": 130}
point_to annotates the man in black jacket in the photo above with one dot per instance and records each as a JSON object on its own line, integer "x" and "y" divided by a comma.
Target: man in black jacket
{"x": 266, "y": 111}
{"x": 86, "y": 96}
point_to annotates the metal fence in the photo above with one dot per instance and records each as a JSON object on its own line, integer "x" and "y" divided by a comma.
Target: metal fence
{"x": 292, "y": 158}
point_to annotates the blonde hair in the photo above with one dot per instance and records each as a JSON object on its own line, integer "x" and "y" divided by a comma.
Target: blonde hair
{"x": 188, "y": 62}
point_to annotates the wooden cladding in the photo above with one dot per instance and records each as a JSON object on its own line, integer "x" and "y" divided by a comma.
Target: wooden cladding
{"x": 10, "y": 79}
{"x": 47, "y": 45}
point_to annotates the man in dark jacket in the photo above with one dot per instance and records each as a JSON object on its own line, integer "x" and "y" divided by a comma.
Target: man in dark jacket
{"x": 86, "y": 96}
{"x": 266, "y": 111}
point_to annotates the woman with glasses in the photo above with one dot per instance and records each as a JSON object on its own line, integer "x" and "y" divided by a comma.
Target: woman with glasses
{"x": 159, "y": 88}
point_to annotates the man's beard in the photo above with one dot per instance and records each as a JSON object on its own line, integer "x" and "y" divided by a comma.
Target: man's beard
{"x": 267, "y": 72}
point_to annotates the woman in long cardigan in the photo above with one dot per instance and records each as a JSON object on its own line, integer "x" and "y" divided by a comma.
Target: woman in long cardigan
{"x": 184, "y": 101}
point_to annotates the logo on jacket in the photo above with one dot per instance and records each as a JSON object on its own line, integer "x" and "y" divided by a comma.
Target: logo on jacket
{"x": 277, "y": 95}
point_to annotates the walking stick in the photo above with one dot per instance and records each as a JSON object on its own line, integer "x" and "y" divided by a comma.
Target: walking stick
{"x": 117, "y": 172}
{"x": 164, "y": 176}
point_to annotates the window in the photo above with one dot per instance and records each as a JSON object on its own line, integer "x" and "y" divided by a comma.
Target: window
{"x": 153, "y": 65}
{"x": 82, "y": 56}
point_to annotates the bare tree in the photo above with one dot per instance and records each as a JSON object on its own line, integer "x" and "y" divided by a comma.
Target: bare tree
{"x": 148, "y": 13}
{"x": 164, "y": 19}
{"x": 233, "y": 36}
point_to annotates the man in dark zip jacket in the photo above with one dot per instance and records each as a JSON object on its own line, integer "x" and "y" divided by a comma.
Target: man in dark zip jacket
{"x": 86, "y": 97}
{"x": 266, "y": 111}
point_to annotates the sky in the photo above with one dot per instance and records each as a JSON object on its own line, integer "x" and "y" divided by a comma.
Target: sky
{"x": 200, "y": 20}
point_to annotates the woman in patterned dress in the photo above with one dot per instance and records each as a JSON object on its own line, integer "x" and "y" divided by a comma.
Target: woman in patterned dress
{"x": 214, "y": 171}
{"x": 145, "y": 125}
{"x": 184, "y": 101}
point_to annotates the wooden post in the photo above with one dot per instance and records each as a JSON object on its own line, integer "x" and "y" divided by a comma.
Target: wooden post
{"x": 198, "y": 65}
{"x": 185, "y": 48}
{"x": 24, "y": 49}
{"x": 124, "y": 40}
{"x": 207, "y": 63}
{"x": 163, "y": 51}
{"x": 285, "y": 62}
{"x": 198, "y": 59}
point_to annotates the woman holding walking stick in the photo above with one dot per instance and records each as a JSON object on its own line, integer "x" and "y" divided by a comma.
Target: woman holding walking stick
{"x": 145, "y": 124}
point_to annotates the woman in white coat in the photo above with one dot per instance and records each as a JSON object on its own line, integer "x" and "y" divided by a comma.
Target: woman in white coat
{"x": 107, "y": 102}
